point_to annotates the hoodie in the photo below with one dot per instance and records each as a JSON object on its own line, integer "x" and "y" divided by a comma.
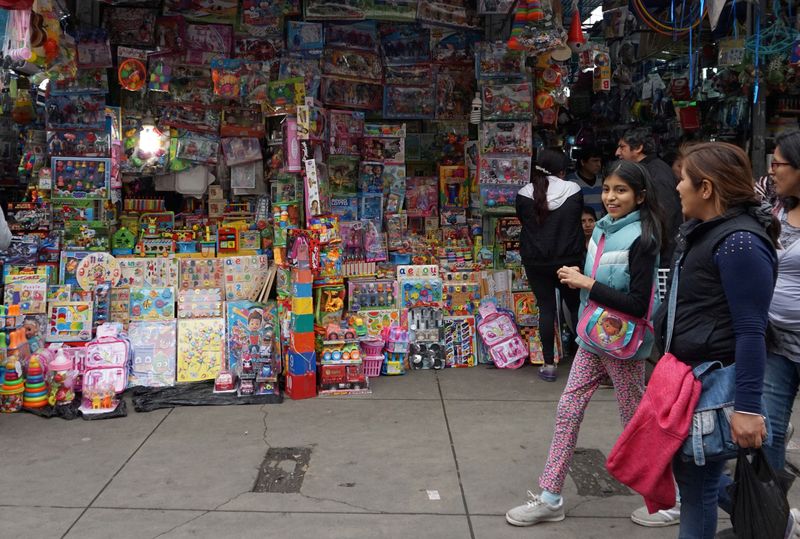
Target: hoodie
{"x": 642, "y": 456}
{"x": 559, "y": 239}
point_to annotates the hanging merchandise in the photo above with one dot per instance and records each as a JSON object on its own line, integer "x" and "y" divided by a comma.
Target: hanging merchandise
{"x": 132, "y": 74}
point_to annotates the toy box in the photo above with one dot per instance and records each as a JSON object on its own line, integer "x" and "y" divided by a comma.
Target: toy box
{"x": 329, "y": 304}
{"x": 526, "y": 309}
{"x": 510, "y": 170}
{"x": 459, "y": 341}
{"x": 153, "y": 344}
{"x": 201, "y": 349}
{"x": 69, "y": 321}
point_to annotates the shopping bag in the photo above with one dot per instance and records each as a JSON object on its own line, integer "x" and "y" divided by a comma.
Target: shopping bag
{"x": 760, "y": 507}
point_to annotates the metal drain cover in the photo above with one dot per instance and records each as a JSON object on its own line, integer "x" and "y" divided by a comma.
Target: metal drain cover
{"x": 591, "y": 477}
{"x": 283, "y": 470}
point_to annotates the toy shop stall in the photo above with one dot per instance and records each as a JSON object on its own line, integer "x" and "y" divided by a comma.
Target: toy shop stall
{"x": 229, "y": 203}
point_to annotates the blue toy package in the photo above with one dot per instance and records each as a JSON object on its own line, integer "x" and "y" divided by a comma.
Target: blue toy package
{"x": 252, "y": 348}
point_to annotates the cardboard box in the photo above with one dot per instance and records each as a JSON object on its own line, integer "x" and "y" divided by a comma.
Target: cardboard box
{"x": 302, "y": 386}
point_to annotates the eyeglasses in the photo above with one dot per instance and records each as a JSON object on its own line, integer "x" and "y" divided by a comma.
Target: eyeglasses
{"x": 777, "y": 164}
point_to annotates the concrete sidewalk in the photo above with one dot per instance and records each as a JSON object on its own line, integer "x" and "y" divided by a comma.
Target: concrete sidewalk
{"x": 431, "y": 454}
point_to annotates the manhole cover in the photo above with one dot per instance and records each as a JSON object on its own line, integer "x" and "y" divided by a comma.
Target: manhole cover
{"x": 283, "y": 470}
{"x": 591, "y": 477}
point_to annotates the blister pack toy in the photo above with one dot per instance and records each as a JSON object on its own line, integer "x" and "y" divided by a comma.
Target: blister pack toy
{"x": 506, "y": 138}
{"x": 496, "y": 60}
{"x": 372, "y": 294}
{"x": 501, "y": 337}
{"x": 417, "y": 102}
{"x": 507, "y": 101}
{"x": 504, "y": 170}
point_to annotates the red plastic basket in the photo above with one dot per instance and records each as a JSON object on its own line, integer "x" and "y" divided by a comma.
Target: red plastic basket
{"x": 372, "y": 366}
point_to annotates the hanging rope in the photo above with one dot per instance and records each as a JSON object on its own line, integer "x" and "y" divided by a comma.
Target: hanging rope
{"x": 776, "y": 39}
{"x": 668, "y": 27}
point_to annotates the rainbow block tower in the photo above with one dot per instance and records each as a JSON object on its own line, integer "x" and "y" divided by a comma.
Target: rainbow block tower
{"x": 12, "y": 389}
{"x": 301, "y": 378}
{"x": 35, "y": 395}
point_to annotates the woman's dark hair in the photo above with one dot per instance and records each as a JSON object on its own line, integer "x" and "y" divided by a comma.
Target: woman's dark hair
{"x": 589, "y": 210}
{"x": 789, "y": 145}
{"x": 548, "y": 163}
{"x": 650, "y": 213}
{"x": 728, "y": 169}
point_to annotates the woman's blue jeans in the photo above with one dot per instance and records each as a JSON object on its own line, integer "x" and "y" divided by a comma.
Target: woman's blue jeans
{"x": 699, "y": 487}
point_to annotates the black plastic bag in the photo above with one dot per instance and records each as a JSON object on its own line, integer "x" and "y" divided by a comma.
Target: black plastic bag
{"x": 760, "y": 507}
{"x": 147, "y": 399}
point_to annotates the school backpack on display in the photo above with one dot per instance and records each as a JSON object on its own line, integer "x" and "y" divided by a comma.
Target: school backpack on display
{"x": 500, "y": 335}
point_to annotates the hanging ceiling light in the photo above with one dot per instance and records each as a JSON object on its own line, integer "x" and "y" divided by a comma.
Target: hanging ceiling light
{"x": 149, "y": 136}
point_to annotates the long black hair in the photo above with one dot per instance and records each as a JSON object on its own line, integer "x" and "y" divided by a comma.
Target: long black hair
{"x": 548, "y": 163}
{"x": 789, "y": 144}
{"x": 650, "y": 214}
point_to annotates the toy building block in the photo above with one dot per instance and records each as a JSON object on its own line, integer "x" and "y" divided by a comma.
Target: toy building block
{"x": 302, "y": 386}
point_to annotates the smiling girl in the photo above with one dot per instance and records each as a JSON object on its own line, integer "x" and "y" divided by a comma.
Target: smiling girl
{"x": 633, "y": 236}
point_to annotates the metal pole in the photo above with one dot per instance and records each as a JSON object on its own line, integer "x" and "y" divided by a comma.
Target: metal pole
{"x": 758, "y": 119}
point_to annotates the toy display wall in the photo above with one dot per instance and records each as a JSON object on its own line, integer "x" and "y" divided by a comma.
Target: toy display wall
{"x": 314, "y": 194}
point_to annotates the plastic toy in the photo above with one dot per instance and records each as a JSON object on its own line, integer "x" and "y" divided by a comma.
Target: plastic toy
{"x": 361, "y": 35}
{"x": 132, "y": 74}
{"x": 372, "y": 294}
{"x": 351, "y": 94}
{"x": 351, "y": 63}
{"x": 426, "y": 356}
{"x": 505, "y": 138}
{"x": 497, "y": 60}
{"x": 329, "y": 304}
{"x": 153, "y": 361}
{"x": 499, "y": 198}
{"x": 11, "y": 392}
{"x": 61, "y": 380}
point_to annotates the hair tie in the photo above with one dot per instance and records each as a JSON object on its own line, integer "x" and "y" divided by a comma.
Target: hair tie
{"x": 543, "y": 170}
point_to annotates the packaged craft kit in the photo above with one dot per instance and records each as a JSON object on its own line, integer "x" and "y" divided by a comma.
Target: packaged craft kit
{"x": 267, "y": 199}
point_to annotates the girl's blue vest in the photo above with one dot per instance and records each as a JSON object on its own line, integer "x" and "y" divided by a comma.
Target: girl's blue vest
{"x": 613, "y": 269}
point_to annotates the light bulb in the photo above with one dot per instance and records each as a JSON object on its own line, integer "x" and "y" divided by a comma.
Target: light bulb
{"x": 149, "y": 140}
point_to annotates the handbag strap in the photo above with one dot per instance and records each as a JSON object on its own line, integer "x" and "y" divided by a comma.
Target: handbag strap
{"x": 672, "y": 302}
{"x": 598, "y": 253}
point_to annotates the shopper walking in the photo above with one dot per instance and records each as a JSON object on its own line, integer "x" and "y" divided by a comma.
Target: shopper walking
{"x": 549, "y": 209}
{"x": 638, "y": 145}
{"x": 630, "y": 237}
{"x": 782, "y": 369}
{"x": 724, "y": 290}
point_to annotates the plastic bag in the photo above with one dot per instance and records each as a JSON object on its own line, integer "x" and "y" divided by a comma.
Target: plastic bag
{"x": 760, "y": 507}
{"x": 147, "y": 399}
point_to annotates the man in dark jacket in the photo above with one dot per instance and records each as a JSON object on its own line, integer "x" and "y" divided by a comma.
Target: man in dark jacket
{"x": 637, "y": 145}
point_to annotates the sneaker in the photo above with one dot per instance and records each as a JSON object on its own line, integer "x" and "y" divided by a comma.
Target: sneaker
{"x": 794, "y": 528}
{"x": 659, "y": 519}
{"x": 535, "y": 511}
{"x": 548, "y": 373}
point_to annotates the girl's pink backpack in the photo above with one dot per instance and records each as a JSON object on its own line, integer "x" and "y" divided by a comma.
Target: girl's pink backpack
{"x": 107, "y": 361}
{"x": 499, "y": 333}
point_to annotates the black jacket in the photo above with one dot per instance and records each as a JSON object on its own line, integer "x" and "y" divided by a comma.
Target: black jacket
{"x": 667, "y": 197}
{"x": 559, "y": 239}
{"x": 703, "y": 326}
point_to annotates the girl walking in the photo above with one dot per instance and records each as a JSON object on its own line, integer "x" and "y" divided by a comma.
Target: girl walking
{"x": 631, "y": 235}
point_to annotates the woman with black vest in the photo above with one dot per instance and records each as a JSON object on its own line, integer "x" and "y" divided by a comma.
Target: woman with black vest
{"x": 727, "y": 275}
{"x": 549, "y": 209}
